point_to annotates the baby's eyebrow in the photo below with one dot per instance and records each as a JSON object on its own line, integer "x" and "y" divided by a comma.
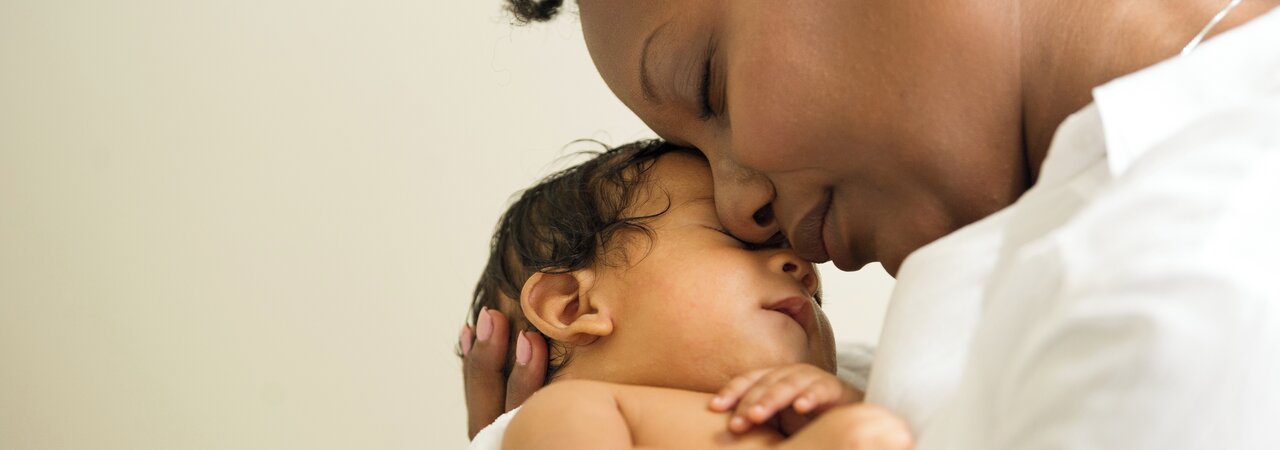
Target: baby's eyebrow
{"x": 709, "y": 201}
{"x": 697, "y": 200}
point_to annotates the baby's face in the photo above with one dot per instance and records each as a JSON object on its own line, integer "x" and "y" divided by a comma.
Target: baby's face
{"x": 697, "y": 306}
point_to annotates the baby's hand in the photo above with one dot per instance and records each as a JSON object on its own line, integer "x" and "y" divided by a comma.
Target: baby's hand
{"x": 761, "y": 394}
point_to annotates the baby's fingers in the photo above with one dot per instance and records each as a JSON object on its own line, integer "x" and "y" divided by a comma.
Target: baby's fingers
{"x": 732, "y": 392}
{"x": 765, "y": 400}
{"x": 819, "y": 396}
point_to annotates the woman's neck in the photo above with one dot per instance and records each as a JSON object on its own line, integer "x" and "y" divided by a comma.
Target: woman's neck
{"x": 1068, "y": 48}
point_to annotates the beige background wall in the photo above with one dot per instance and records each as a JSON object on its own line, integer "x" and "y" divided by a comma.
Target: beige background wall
{"x": 244, "y": 224}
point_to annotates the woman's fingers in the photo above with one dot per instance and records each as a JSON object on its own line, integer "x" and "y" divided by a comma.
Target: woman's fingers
{"x": 530, "y": 370}
{"x": 488, "y": 392}
{"x": 482, "y": 364}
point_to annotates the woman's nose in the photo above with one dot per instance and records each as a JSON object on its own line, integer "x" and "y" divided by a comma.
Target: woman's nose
{"x": 788, "y": 262}
{"x": 743, "y": 202}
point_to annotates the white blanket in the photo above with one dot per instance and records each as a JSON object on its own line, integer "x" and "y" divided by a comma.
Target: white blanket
{"x": 490, "y": 438}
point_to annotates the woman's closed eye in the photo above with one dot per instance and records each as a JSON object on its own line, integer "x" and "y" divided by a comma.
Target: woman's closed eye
{"x": 711, "y": 92}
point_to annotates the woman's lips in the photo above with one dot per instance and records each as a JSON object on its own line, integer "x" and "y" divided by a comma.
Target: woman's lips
{"x": 807, "y": 237}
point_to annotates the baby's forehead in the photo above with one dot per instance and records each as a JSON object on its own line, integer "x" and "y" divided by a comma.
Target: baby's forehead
{"x": 675, "y": 183}
{"x": 687, "y": 176}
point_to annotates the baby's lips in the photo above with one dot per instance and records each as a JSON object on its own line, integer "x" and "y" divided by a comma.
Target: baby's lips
{"x": 799, "y": 308}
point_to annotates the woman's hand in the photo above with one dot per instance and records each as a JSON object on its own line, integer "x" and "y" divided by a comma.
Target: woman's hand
{"x": 853, "y": 427}
{"x": 484, "y": 356}
{"x": 796, "y": 393}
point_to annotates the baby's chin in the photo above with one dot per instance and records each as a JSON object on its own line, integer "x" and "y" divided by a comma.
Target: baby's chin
{"x": 705, "y": 371}
{"x": 716, "y": 377}
{"x": 778, "y": 359}
{"x": 822, "y": 357}
{"x": 781, "y": 351}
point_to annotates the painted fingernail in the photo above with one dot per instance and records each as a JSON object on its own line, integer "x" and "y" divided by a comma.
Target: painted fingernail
{"x": 523, "y": 351}
{"x": 464, "y": 339}
{"x": 484, "y": 325}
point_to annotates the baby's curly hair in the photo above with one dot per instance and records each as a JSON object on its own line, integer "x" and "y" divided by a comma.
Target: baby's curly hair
{"x": 527, "y": 11}
{"x": 566, "y": 222}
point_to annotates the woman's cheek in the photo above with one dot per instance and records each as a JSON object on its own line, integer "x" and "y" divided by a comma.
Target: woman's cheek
{"x": 777, "y": 119}
{"x": 796, "y": 93}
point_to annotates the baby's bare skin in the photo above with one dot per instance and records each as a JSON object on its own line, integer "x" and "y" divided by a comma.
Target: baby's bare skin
{"x": 614, "y": 416}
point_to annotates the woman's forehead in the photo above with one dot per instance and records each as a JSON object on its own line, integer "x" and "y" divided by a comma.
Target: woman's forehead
{"x": 620, "y": 33}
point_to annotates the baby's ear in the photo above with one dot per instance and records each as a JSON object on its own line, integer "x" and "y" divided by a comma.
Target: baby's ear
{"x": 558, "y": 305}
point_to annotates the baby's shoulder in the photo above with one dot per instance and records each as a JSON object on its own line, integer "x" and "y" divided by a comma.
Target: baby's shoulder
{"x": 574, "y": 391}
{"x": 577, "y": 395}
{"x": 541, "y": 422}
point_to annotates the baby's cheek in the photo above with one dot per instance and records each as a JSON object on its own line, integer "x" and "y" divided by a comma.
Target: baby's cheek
{"x": 822, "y": 345}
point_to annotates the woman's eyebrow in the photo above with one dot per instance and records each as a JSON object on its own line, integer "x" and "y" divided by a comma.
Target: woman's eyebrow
{"x": 646, "y": 81}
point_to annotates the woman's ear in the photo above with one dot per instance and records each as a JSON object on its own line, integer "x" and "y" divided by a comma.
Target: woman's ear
{"x": 558, "y": 305}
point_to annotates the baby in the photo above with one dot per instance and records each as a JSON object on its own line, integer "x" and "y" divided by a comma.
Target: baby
{"x": 650, "y": 308}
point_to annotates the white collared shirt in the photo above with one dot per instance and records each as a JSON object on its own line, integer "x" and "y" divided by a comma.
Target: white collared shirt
{"x": 1131, "y": 298}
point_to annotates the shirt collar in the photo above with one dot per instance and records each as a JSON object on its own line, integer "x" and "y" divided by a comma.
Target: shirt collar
{"x": 1140, "y": 110}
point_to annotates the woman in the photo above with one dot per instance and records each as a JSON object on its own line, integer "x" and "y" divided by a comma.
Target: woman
{"x": 1085, "y": 190}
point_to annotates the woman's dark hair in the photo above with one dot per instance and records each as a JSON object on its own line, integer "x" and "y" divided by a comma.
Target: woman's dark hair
{"x": 566, "y": 222}
{"x": 534, "y": 10}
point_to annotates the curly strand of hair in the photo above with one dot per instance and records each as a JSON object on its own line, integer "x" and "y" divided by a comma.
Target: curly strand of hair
{"x": 527, "y": 11}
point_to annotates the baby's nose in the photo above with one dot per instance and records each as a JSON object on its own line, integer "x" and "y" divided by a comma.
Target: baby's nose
{"x": 788, "y": 262}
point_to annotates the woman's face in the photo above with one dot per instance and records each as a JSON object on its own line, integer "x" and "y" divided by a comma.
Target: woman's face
{"x": 861, "y": 130}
